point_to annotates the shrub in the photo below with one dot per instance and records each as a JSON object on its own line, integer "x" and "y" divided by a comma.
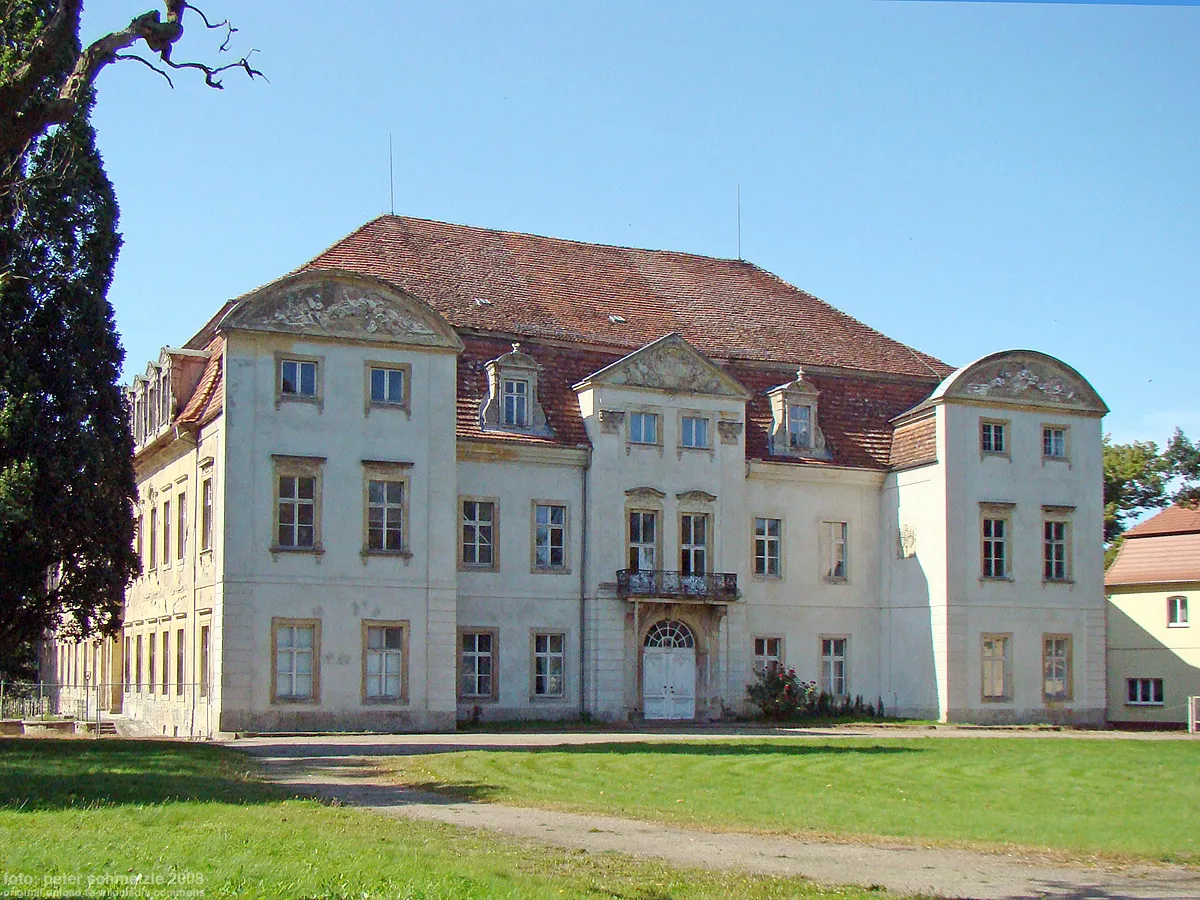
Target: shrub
{"x": 783, "y": 697}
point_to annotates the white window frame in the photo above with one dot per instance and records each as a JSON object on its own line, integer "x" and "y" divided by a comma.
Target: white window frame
{"x": 834, "y": 665}
{"x": 1145, "y": 690}
{"x": 207, "y": 498}
{"x": 768, "y": 547}
{"x": 166, "y": 534}
{"x": 543, "y": 662}
{"x": 694, "y": 432}
{"x": 514, "y": 402}
{"x": 469, "y": 663}
{"x": 485, "y": 533}
{"x": 291, "y": 654}
{"x": 291, "y": 497}
{"x": 1056, "y": 443}
{"x": 384, "y": 665}
{"x": 180, "y": 526}
{"x": 768, "y": 651}
{"x": 549, "y": 535}
{"x": 836, "y": 552}
{"x": 292, "y": 380}
{"x": 393, "y": 376}
{"x": 989, "y": 431}
{"x": 995, "y": 668}
{"x": 638, "y": 421}
{"x": 1177, "y": 611}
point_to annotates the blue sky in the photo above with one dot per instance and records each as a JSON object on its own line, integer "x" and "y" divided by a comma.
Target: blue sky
{"x": 963, "y": 176}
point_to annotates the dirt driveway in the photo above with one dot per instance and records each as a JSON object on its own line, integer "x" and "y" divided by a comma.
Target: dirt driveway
{"x": 338, "y": 767}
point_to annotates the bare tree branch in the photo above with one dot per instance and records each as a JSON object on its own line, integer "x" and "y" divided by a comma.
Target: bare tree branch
{"x": 23, "y": 117}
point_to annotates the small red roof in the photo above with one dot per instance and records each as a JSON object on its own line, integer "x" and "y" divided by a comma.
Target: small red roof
{"x": 1172, "y": 520}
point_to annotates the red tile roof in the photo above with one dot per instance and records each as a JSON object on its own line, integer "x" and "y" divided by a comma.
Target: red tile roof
{"x": 915, "y": 444}
{"x": 1172, "y": 520}
{"x": 1156, "y": 559}
{"x": 207, "y": 399}
{"x": 566, "y": 290}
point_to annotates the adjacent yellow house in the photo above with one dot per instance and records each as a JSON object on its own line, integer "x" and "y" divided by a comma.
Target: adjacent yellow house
{"x": 1153, "y": 648}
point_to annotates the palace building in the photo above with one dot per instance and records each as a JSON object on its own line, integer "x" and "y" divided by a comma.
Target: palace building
{"x": 444, "y": 472}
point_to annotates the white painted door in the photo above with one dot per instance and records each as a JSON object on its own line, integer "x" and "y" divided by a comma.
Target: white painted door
{"x": 669, "y": 683}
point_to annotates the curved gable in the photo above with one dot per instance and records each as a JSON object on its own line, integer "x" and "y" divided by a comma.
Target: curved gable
{"x": 342, "y": 305}
{"x": 1022, "y": 378}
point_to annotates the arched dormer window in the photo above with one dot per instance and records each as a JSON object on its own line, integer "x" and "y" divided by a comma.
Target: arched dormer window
{"x": 512, "y": 402}
{"x": 794, "y": 427}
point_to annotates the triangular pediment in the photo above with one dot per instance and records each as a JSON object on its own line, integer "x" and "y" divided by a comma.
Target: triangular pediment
{"x": 343, "y": 305}
{"x": 671, "y": 365}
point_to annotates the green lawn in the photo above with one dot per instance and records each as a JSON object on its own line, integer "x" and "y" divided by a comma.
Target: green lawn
{"x": 1119, "y": 798}
{"x": 192, "y": 818}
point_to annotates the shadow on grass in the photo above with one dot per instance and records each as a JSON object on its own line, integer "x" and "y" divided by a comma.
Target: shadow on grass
{"x": 732, "y": 748}
{"x": 47, "y": 774}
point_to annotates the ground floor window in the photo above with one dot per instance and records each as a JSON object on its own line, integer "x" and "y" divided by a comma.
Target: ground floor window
{"x": 477, "y": 664}
{"x": 833, "y": 666}
{"x": 1144, "y": 691}
{"x": 1056, "y": 667}
{"x": 205, "y": 659}
{"x": 996, "y": 671}
{"x": 296, "y": 658}
{"x": 383, "y": 662}
{"x": 180, "y": 671}
{"x": 768, "y": 654}
{"x": 548, "y": 658}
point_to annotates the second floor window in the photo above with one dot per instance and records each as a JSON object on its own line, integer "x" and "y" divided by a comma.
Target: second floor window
{"x": 693, "y": 544}
{"x": 387, "y": 386}
{"x": 643, "y": 428}
{"x": 992, "y": 437}
{"x": 550, "y": 536}
{"x": 297, "y": 378}
{"x": 478, "y": 522}
{"x": 152, "y": 540}
{"x": 643, "y": 540}
{"x": 1054, "y": 443}
{"x": 995, "y": 543}
{"x": 385, "y": 515}
{"x": 834, "y": 539}
{"x": 166, "y": 534}
{"x": 297, "y": 510}
{"x": 206, "y": 514}
{"x": 181, "y": 526}
{"x": 1177, "y": 612}
{"x": 515, "y": 409}
{"x": 695, "y": 432}
{"x": 1055, "y": 545}
{"x": 766, "y": 546}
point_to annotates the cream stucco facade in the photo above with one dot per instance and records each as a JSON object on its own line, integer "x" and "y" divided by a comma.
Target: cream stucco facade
{"x": 393, "y": 552}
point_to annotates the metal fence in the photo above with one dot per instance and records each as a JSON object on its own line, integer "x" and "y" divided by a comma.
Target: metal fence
{"x": 171, "y": 710}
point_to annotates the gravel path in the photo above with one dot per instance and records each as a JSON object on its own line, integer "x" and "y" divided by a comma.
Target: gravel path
{"x": 339, "y": 768}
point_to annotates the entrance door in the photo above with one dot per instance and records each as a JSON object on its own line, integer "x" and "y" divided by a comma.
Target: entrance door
{"x": 669, "y": 672}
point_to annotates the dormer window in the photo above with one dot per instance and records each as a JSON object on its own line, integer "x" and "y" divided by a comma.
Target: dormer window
{"x": 794, "y": 424}
{"x": 512, "y": 401}
{"x": 516, "y": 403}
{"x": 799, "y": 424}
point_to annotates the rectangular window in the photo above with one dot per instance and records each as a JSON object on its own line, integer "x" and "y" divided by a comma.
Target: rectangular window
{"x": 643, "y": 428}
{"x": 693, "y": 544}
{"x": 1054, "y": 442}
{"x": 834, "y": 539}
{"x": 695, "y": 432}
{"x": 206, "y": 515}
{"x": 833, "y": 666}
{"x": 995, "y": 557}
{"x": 180, "y": 671}
{"x": 385, "y": 515}
{"x": 768, "y": 653}
{"x": 152, "y": 642}
{"x": 297, "y": 511}
{"x": 384, "y": 662}
{"x": 181, "y": 526}
{"x": 515, "y": 407}
{"x": 478, "y": 664}
{"x": 996, "y": 672}
{"x": 1144, "y": 691}
{"x": 643, "y": 540}
{"x": 1055, "y": 551}
{"x": 548, "y": 657}
{"x": 1177, "y": 613}
{"x": 166, "y": 661}
{"x": 387, "y": 386}
{"x": 139, "y": 681}
{"x": 137, "y": 539}
{"x": 205, "y": 660}
{"x": 297, "y": 378}
{"x": 153, "y": 539}
{"x": 478, "y": 533}
{"x": 295, "y": 661}
{"x": 1056, "y": 667}
{"x": 766, "y": 546}
{"x": 127, "y": 662}
{"x": 799, "y": 426}
{"x": 550, "y": 536}
{"x": 992, "y": 438}
{"x": 166, "y": 533}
